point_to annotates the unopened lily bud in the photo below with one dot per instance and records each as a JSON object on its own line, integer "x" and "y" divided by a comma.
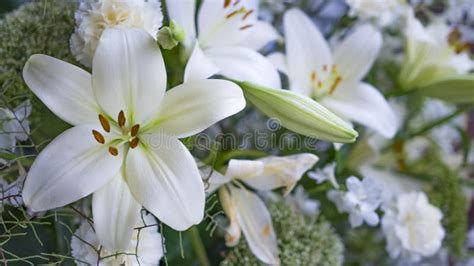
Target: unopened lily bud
{"x": 299, "y": 113}
{"x": 169, "y": 37}
{"x": 457, "y": 89}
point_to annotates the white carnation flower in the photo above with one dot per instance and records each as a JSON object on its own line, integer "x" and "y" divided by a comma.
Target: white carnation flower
{"x": 93, "y": 17}
{"x": 413, "y": 227}
{"x": 85, "y": 246}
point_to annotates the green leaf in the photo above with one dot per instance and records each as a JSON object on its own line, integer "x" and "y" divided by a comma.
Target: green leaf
{"x": 455, "y": 89}
{"x": 299, "y": 113}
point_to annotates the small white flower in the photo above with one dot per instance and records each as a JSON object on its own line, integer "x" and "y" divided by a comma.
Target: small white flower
{"x": 93, "y": 17}
{"x": 85, "y": 246}
{"x": 412, "y": 227}
{"x": 383, "y": 12}
{"x": 16, "y": 126}
{"x": 301, "y": 201}
{"x": 360, "y": 201}
{"x": 326, "y": 174}
{"x": 245, "y": 210}
{"x": 335, "y": 78}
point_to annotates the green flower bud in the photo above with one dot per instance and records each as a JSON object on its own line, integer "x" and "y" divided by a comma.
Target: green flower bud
{"x": 169, "y": 37}
{"x": 299, "y": 113}
{"x": 457, "y": 89}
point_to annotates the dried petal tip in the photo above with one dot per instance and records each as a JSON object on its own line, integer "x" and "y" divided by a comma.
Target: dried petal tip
{"x": 104, "y": 122}
{"x": 98, "y": 136}
{"x": 113, "y": 151}
{"x": 134, "y": 143}
{"x": 134, "y": 130}
{"x": 121, "y": 119}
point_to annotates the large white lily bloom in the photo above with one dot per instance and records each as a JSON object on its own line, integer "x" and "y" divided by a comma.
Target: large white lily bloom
{"x": 226, "y": 39}
{"x": 93, "y": 17}
{"x": 334, "y": 80}
{"x": 420, "y": 66}
{"x": 145, "y": 248}
{"x": 16, "y": 126}
{"x": 245, "y": 210}
{"x": 124, "y": 145}
{"x": 413, "y": 227}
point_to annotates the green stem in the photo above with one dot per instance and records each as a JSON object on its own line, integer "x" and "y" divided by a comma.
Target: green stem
{"x": 436, "y": 123}
{"x": 198, "y": 246}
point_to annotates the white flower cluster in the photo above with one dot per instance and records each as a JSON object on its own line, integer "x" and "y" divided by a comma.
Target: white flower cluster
{"x": 94, "y": 16}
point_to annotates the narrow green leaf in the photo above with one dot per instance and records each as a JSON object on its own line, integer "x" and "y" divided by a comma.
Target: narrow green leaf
{"x": 455, "y": 89}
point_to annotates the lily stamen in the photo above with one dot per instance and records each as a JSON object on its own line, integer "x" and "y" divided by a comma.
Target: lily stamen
{"x": 113, "y": 151}
{"x": 134, "y": 130}
{"x": 98, "y": 136}
{"x": 134, "y": 143}
{"x": 104, "y": 122}
{"x": 121, "y": 119}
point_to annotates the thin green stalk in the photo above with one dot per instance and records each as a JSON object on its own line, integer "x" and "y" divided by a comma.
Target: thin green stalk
{"x": 436, "y": 123}
{"x": 198, "y": 246}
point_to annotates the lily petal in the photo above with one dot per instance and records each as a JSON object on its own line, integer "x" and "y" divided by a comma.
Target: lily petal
{"x": 199, "y": 66}
{"x": 364, "y": 104}
{"x": 64, "y": 88}
{"x": 261, "y": 33}
{"x": 244, "y": 64}
{"x": 306, "y": 49}
{"x": 281, "y": 171}
{"x": 183, "y": 13}
{"x": 222, "y": 25}
{"x": 71, "y": 167}
{"x": 233, "y": 231}
{"x": 242, "y": 169}
{"x": 279, "y": 61}
{"x": 214, "y": 179}
{"x": 115, "y": 213}
{"x": 256, "y": 223}
{"x": 128, "y": 74}
{"x": 163, "y": 177}
{"x": 194, "y": 106}
{"x": 355, "y": 55}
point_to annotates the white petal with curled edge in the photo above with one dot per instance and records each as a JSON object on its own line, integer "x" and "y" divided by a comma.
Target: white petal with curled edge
{"x": 281, "y": 171}
{"x": 241, "y": 169}
{"x": 364, "y": 104}
{"x": 256, "y": 223}
{"x": 355, "y": 55}
{"x": 233, "y": 231}
{"x": 115, "y": 213}
{"x": 194, "y": 106}
{"x": 213, "y": 178}
{"x": 128, "y": 73}
{"x": 164, "y": 178}
{"x": 71, "y": 167}
{"x": 64, "y": 88}
{"x": 199, "y": 66}
{"x": 244, "y": 64}
{"x": 306, "y": 50}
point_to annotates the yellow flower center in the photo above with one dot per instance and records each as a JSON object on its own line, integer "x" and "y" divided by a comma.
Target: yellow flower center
{"x": 326, "y": 82}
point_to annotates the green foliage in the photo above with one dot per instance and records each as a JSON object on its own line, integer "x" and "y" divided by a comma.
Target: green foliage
{"x": 300, "y": 241}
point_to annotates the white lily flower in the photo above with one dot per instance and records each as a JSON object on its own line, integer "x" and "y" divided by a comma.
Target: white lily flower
{"x": 413, "y": 227}
{"x": 225, "y": 41}
{"x": 420, "y": 66}
{"x": 245, "y": 210}
{"x": 334, "y": 80}
{"x": 93, "y": 17}
{"x": 145, "y": 247}
{"x": 16, "y": 126}
{"x": 360, "y": 201}
{"x": 124, "y": 145}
